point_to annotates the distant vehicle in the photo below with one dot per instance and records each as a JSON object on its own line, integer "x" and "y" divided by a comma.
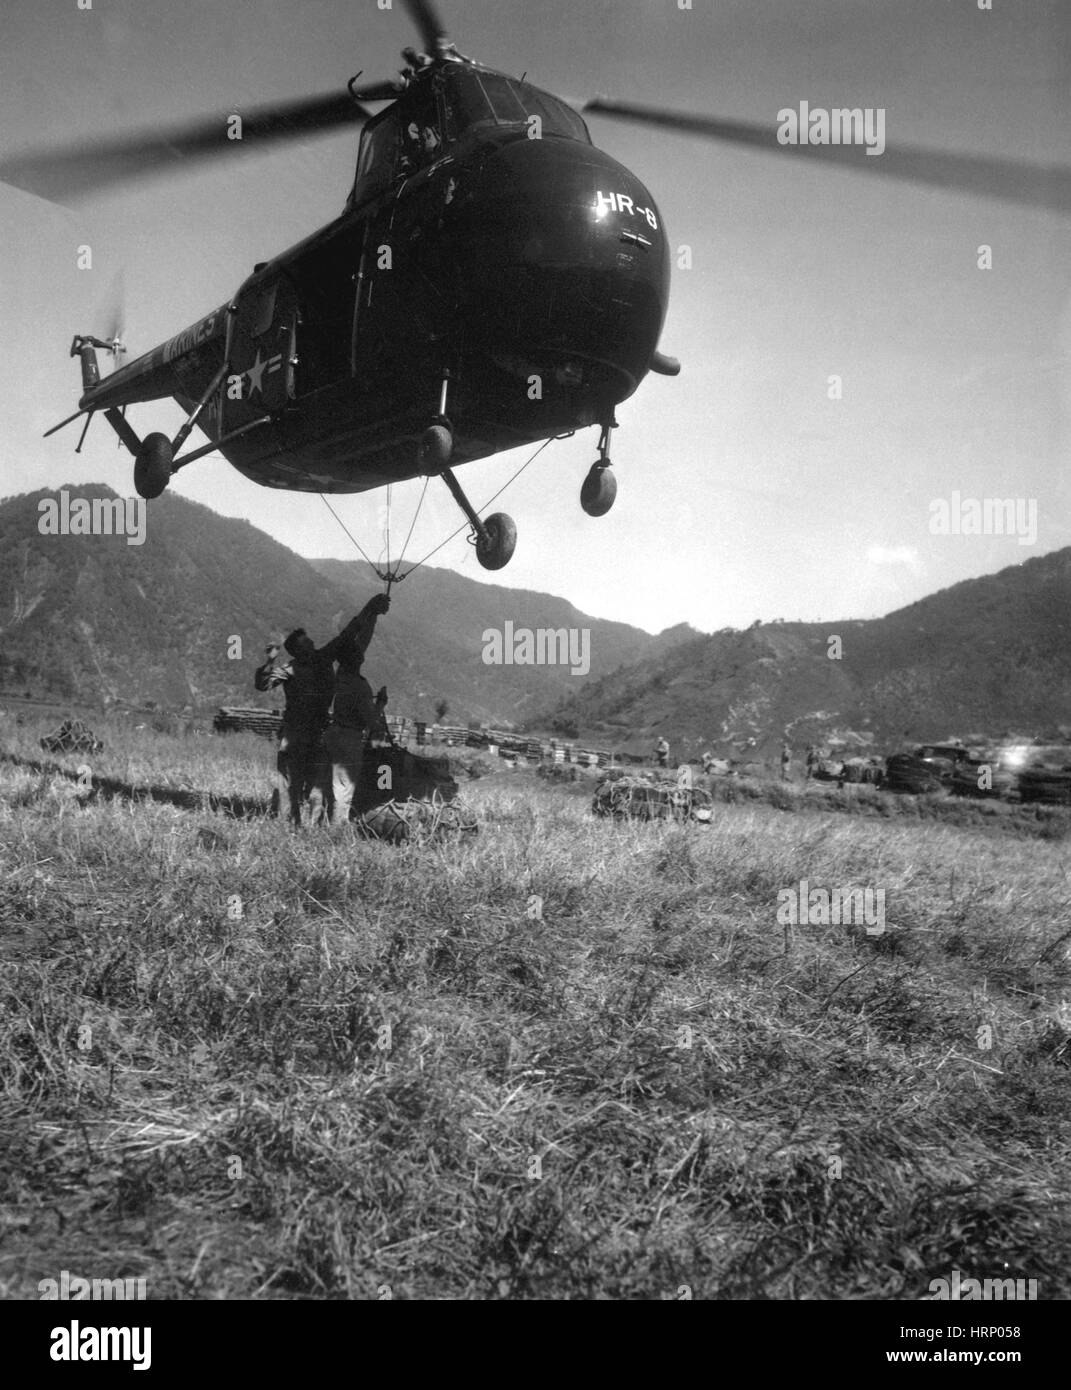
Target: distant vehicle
{"x": 943, "y": 758}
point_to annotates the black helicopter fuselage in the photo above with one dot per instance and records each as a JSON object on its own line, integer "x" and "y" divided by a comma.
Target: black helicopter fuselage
{"x": 486, "y": 239}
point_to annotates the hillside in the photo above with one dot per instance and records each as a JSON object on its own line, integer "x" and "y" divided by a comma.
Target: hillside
{"x": 94, "y": 618}
{"x": 440, "y": 618}
{"x": 989, "y": 655}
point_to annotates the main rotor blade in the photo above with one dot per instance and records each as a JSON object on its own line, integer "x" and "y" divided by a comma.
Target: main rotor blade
{"x": 1033, "y": 185}
{"x": 380, "y": 91}
{"x": 63, "y": 175}
{"x": 426, "y": 18}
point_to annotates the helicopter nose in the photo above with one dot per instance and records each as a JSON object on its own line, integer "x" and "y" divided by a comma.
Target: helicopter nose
{"x": 566, "y": 257}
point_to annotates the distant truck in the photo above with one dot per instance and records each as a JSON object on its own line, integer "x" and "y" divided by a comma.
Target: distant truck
{"x": 943, "y": 758}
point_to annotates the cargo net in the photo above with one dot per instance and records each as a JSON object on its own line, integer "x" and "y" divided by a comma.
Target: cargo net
{"x": 637, "y": 798}
{"x": 72, "y": 736}
{"x": 422, "y": 822}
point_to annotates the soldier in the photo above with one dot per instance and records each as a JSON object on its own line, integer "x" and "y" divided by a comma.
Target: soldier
{"x": 380, "y": 730}
{"x": 786, "y": 762}
{"x": 662, "y": 753}
{"x": 308, "y": 682}
{"x": 356, "y": 713}
{"x": 812, "y": 760}
{"x": 423, "y": 142}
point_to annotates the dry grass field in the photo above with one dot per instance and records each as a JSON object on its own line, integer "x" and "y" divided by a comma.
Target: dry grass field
{"x": 243, "y": 1062}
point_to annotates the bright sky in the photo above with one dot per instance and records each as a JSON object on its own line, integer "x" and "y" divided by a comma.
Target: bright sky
{"x": 744, "y": 491}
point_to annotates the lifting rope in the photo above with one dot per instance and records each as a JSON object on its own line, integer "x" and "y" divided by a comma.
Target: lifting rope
{"x": 414, "y": 520}
{"x": 393, "y": 576}
{"x": 387, "y": 531}
{"x": 499, "y": 493}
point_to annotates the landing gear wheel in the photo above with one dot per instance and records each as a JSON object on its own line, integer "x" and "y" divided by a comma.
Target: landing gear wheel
{"x": 495, "y": 550}
{"x": 152, "y": 466}
{"x": 436, "y": 446}
{"x": 598, "y": 491}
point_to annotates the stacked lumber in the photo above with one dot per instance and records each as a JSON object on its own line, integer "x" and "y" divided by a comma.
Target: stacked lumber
{"x": 1045, "y": 785}
{"x": 245, "y": 719}
{"x": 233, "y": 719}
{"x": 450, "y": 733}
{"x": 982, "y": 778}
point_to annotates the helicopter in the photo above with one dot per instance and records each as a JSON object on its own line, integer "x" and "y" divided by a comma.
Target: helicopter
{"x": 493, "y": 280}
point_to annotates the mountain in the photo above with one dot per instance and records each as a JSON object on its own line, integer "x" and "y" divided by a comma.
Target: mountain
{"x": 441, "y": 617}
{"x": 93, "y": 617}
{"x": 987, "y": 656}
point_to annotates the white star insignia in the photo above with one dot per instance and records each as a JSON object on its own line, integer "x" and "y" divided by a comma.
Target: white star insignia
{"x": 254, "y": 373}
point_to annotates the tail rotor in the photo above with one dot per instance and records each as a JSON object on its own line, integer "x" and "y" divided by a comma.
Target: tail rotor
{"x": 114, "y": 316}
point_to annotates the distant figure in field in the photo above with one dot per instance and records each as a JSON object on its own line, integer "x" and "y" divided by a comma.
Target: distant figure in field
{"x": 308, "y": 682}
{"x": 662, "y": 753}
{"x": 812, "y": 760}
{"x": 786, "y": 762}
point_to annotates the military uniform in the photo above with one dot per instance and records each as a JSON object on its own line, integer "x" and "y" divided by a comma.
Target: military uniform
{"x": 354, "y": 715}
{"x": 345, "y": 737}
{"x": 308, "y": 683}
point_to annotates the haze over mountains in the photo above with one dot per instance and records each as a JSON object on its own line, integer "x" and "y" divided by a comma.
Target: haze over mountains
{"x": 91, "y": 619}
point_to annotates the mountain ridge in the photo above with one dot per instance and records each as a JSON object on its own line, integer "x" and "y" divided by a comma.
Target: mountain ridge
{"x": 990, "y": 655}
{"x": 181, "y": 620}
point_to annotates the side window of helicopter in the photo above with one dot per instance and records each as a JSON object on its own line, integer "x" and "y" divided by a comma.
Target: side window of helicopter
{"x": 397, "y": 143}
{"x": 264, "y": 311}
{"x": 421, "y": 135}
{"x": 378, "y": 160}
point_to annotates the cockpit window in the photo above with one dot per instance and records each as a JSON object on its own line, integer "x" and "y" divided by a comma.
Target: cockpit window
{"x": 411, "y": 134}
{"x": 405, "y": 138}
{"x": 482, "y": 98}
{"x": 379, "y": 153}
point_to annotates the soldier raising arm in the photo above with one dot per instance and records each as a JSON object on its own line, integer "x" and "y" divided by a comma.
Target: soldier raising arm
{"x": 355, "y": 711}
{"x": 308, "y": 682}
